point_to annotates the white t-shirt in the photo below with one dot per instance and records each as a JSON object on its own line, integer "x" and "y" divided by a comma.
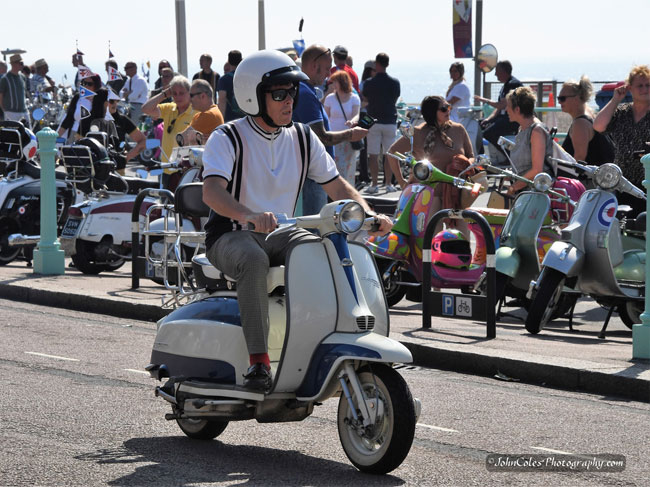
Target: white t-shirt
{"x": 270, "y": 172}
{"x": 337, "y": 120}
{"x": 139, "y": 88}
{"x": 461, "y": 90}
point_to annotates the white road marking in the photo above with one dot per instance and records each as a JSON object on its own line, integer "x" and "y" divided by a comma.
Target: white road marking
{"x": 137, "y": 371}
{"x": 438, "y": 428}
{"x": 53, "y": 356}
{"x": 559, "y": 452}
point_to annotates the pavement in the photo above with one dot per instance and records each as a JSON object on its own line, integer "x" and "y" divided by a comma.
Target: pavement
{"x": 557, "y": 357}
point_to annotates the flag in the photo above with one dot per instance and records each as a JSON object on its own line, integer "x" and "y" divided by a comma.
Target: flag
{"x": 79, "y": 53}
{"x": 113, "y": 74}
{"x": 110, "y": 54}
{"x": 112, "y": 95}
{"x": 83, "y": 112}
{"x": 85, "y": 93}
{"x": 145, "y": 73}
{"x": 84, "y": 72}
{"x": 299, "y": 46}
{"x": 462, "y": 28}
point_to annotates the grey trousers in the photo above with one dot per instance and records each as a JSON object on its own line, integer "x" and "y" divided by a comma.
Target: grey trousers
{"x": 246, "y": 256}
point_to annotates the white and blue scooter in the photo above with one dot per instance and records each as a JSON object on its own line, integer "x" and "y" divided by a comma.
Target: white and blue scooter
{"x": 329, "y": 326}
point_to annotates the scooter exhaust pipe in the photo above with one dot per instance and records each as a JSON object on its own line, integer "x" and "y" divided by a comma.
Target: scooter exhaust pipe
{"x": 16, "y": 239}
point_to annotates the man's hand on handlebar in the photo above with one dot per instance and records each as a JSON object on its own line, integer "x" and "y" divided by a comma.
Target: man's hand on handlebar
{"x": 264, "y": 222}
{"x": 382, "y": 224}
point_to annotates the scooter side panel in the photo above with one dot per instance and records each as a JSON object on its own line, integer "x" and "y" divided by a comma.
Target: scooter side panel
{"x": 312, "y": 307}
{"x": 507, "y": 261}
{"x": 338, "y": 347}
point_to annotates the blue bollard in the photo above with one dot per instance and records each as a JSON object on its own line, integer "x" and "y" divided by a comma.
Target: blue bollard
{"x": 641, "y": 333}
{"x": 49, "y": 259}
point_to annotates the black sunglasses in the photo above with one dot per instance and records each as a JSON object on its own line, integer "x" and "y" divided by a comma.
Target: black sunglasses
{"x": 192, "y": 95}
{"x": 87, "y": 83}
{"x": 444, "y": 108}
{"x": 281, "y": 93}
{"x": 563, "y": 98}
{"x": 171, "y": 126}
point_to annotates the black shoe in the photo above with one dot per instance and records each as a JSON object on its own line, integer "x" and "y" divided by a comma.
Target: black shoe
{"x": 258, "y": 377}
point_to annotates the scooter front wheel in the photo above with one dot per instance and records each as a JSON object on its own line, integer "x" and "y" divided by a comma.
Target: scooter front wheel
{"x": 546, "y": 300}
{"x": 383, "y": 445}
{"x": 202, "y": 429}
{"x": 390, "y": 273}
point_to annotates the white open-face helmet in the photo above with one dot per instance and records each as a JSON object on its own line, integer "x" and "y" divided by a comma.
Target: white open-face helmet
{"x": 258, "y": 72}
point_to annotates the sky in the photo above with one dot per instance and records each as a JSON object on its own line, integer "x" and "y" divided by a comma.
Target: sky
{"x": 542, "y": 38}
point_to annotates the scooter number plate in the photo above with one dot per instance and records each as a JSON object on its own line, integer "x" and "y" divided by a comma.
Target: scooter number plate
{"x": 71, "y": 227}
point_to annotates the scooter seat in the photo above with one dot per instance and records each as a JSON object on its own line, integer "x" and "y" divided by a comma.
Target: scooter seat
{"x": 211, "y": 278}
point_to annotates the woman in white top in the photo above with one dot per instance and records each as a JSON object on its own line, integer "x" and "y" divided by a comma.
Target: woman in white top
{"x": 342, "y": 105}
{"x": 458, "y": 94}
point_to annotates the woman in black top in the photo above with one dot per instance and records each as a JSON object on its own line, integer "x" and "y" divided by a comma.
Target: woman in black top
{"x": 582, "y": 141}
{"x": 94, "y": 84}
{"x": 125, "y": 127}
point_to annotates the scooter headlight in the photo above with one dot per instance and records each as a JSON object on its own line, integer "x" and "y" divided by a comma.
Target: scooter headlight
{"x": 349, "y": 217}
{"x": 422, "y": 170}
{"x": 542, "y": 182}
{"x": 608, "y": 176}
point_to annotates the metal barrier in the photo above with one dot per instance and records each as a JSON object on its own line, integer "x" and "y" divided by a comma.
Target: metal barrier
{"x": 464, "y": 306}
{"x": 138, "y": 264}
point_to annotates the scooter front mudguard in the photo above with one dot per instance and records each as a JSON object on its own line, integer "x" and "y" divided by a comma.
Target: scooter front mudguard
{"x": 507, "y": 261}
{"x": 565, "y": 258}
{"x": 338, "y": 347}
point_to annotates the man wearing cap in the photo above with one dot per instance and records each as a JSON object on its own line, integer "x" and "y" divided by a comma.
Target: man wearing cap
{"x": 12, "y": 92}
{"x": 41, "y": 82}
{"x": 340, "y": 56}
{"x": 135, "y": 91}
{"x": 227, "y": 103}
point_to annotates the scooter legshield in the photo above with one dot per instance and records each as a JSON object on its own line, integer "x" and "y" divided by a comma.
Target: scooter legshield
{"x": 565, "y": 258}
{"x": 507, "y": 261}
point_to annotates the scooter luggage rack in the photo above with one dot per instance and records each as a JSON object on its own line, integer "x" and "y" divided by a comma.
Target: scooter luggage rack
{"x": 184, "y": 288}
{"x": 79, "y": 163}
{"x": 11, "y": 149}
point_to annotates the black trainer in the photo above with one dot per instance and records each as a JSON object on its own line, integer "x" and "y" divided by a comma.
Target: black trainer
{"x": 258, "y": 377}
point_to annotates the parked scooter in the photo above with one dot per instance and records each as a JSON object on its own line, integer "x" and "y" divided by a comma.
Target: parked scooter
{"x": 328, "y": 337}
{"x": 20, "y": 193}
{"x": 533, "y": 224}
{"x": 399, "y": 253}
{"x": 607, "y": 262}
{"x": 98, "y": 232}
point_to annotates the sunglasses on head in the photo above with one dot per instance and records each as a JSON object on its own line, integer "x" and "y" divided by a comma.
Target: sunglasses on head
{"x": 324, "y": 53}
{"x": 171, "y": 126}
{"x": 281, "y": 93}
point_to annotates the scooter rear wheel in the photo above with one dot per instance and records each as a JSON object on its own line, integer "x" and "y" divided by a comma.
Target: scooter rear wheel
{"x": 202, "y": 429}
{"x": 544, "y": 304}
{"x": 630, "y": 313}
{"x": 394, "y": 292}
{"x": 380, "y": 447}
{"x": 7, "y": 253}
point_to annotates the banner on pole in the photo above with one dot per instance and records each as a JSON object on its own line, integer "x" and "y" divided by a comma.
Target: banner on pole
{"x": 462, "y": 28}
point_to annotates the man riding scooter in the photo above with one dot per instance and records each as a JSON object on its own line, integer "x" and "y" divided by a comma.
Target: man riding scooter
{"x": 254, "y": 169}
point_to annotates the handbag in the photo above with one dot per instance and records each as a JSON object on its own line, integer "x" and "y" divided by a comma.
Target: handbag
{"x": 358, "y": 145}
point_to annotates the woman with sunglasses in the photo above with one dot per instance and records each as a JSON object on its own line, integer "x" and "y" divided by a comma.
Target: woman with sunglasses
{"x": 533, "y": 144}
{"x": 81, "y": 113}
{"x": 582, "y": 141}
{"x": 628, "y": 125}
{"x": 442, "y": 142}
{"x": 176, "y": 115}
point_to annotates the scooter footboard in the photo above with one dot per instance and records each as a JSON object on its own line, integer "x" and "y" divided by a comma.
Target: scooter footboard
{"x": 338, "y": 347}
{"x": 564, "y": 257}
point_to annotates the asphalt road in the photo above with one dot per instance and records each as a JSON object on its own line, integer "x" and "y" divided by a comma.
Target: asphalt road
{"x": 77, "y": 409}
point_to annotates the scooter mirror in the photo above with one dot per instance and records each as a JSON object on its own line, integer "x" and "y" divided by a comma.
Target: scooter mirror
{"x": 94, "y": 128}
{"x": 38, "y": 114}
{"x": 152, "y": 143}
{"x": 487, "y": 57}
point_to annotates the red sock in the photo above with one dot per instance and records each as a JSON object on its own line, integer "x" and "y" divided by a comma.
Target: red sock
{"x": 260, "y": 357}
